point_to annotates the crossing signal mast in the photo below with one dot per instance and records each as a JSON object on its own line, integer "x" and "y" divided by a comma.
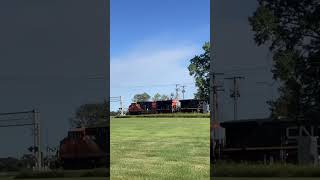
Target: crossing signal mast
{"x": 26, "y": 118}
{"x": 120, "y": 100}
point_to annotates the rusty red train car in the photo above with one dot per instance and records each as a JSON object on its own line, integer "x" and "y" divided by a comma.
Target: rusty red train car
{"x": 85, "y": 148}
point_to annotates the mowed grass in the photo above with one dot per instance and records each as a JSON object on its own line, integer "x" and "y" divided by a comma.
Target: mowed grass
{"x": 76, "y": 178}
{"x": 160, "y": 148}
{"x": 291, "y": 178}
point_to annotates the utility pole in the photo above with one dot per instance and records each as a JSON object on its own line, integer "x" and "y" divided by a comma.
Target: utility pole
{"x": 37, "y": 139}
{"x": 34, "y": 121}
{"x": 183, "y": 91}
{"x": 235, "y": 94}
{"x": 215, "y": 96}
{"x": 214, "y": 112}
{"x": 177, "y": 91}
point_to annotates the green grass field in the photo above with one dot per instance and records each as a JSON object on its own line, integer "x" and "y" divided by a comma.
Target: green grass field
{"x": 84, "y": 178}
{"x": 160, "y": 148}
{"x": 291, "y": 178}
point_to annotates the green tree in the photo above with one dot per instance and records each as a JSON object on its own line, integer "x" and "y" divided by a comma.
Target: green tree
{"x": 164, "y": 97}
{"x": 156, "y": 97}
{"x": 159, "y": 97}
{"x": 141, "y": 97}
{"x": 291, "y": 29}
{"x": 89, "y": 114}
{"x": 199, "y": 68}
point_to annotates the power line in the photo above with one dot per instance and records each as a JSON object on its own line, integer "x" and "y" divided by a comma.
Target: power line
{"x": 33, "y": 121}
{"x": 13, "y": 113}
{"x": 14, "y": 119}
{"x": 17, "y": 125}
{"x": 245, "y": 69}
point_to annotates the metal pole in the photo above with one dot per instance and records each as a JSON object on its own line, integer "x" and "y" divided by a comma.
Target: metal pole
{"x": 121, "y": 107}
{"x": 177, "y": 91}
{"x": 35, "y": 137}
{"x": 183, "y": 91}
{"x": 235, "y": 92}
{"x": 38, "y": 139}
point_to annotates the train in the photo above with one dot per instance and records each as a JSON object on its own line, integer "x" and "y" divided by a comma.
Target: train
{"x": 266, "y": 140}
{"x": 85, "y": 148}
{"x": 168, "y": 106}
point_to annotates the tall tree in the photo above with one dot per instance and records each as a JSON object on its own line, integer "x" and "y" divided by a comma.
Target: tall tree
{"x": 89, "y": 114}
{"x": 164, "y": 97}
{"x": 141, "y": 97}
{"x": 291, "y": 28}
{"x": 199, "y": 68}
{"x": 156, "y": 97}
{"x": 159, "y": 97}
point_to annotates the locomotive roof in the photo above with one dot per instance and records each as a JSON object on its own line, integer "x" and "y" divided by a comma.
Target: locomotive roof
{"x": 76, "y": 129}
{"x": 100, "y": 124}
{"x": 169, "y": 100}
{"x": 191, "y": 100}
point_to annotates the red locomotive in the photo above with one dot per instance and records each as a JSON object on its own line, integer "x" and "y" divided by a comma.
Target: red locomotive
{"x": 135, "y": 109}
{"x": 85, "y": 148}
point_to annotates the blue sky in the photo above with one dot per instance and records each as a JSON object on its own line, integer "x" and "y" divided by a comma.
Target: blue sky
{"x": 152, "y": 43}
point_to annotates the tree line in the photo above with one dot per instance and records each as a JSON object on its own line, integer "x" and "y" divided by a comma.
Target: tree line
{"x": 146, "y": 97}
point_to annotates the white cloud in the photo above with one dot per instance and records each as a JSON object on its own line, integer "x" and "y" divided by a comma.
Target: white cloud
{"x": 149, "y": 65}
{"x": 152, "y": 62}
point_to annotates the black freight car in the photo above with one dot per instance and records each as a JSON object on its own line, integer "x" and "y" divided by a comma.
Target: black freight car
{"x": 168, "y": 106}
{"x": 264, "y": 139}
{"x": 192, "y": 105}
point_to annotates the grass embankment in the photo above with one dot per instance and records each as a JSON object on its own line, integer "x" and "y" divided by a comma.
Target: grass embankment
{"x": 160, "y": 148}
{"x": 260, "y": 170}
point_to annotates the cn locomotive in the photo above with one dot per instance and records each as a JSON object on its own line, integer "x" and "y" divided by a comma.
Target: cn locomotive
{"x": 168, "y": 106}
{"x": 85, "y": 148}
